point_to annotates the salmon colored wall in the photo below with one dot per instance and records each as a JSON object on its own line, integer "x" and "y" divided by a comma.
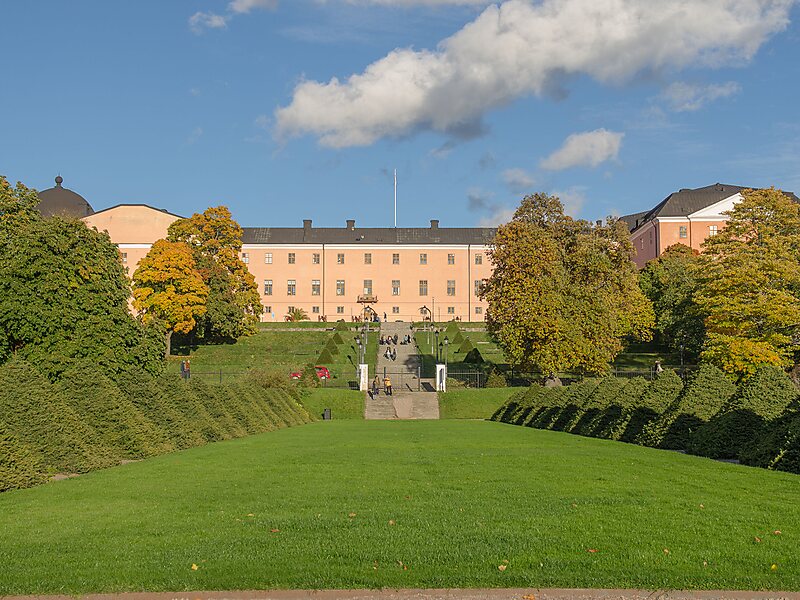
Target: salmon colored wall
{"x": 654, "y": 238}
{"x": 381, "y": 271}
{"x": 131, "y": 224}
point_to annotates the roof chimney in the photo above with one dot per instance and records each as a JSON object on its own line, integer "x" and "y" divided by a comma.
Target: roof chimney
{"x": 434, "y": 223}
{"x": 306, "y": 224}
{"x": 351, "y": 224}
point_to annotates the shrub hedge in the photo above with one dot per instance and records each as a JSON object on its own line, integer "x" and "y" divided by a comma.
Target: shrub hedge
{"x": 757, "y": 423}
{"x": 85, "y": 421}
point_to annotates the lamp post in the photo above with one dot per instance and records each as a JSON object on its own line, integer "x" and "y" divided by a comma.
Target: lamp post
{"x": 438, "y": 348}
{"x": 446, "y": 344}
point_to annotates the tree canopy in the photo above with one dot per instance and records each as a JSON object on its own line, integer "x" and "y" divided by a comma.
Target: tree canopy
{"x": 215, "y": 240}
{"x": 64, "y": 294}
{"x": 564, "y": 292}
{"x": 671, "y": 282}
{"x": 750, "y": 284}
{"x": 167, "y": 288}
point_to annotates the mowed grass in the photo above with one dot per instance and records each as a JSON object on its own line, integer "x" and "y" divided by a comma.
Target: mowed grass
{"x": 473, "y": 403}
{"x": 278, "y": 350}
{"x": 344, "y": 404}
{"x": 371, "y": 504}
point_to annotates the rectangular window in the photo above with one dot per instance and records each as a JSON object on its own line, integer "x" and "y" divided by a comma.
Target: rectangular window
{"x": 340, "y": 259}
{"x": 315, "y": 258}
{"x": 340, "y": 287}
{"x": 478, "y": 310}
{"x": 651, "y": 237}
{"x": 268, "y": 310}
{"x": 395, "y": 287}
{"x": 451, "y": 310}
{"x": 124, "y": 257}
{"x": 315, "y": 287}
{"x": 246, "y": 258}
{"x": 712, "y": 230}
{"x": 451, "y": 259}
{"x": 291, "y": 258}
{"x": 291, "y": 288}
{"x": 423, "y": 287}
{"x": 367, "y": 258}
{"x": 451, "y": 287}
{"x": 290, "y": 309}
{"x": 268, "y": 258}
{"x": 682, "y": 231}
{"x": 315, "y": 310}
{"x": 368, "y": 287}
{"x": 340, "y": 310}
{"x": 479, "y": 259}
{"x": 395, "y": 310}
{"x": 395, "y": 259}
{"x": 478, "y": 286}
{"x": 268, "y": 287}
{"x": 423, "y": 258}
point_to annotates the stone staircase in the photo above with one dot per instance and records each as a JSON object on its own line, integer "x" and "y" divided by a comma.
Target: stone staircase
{"x": 406, "y": 402}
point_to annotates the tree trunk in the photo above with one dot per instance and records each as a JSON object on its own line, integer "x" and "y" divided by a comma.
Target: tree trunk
{"x": 168, "y": 348}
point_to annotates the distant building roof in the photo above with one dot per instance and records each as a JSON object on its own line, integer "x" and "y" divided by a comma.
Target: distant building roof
{"x": 162, "y": 210}
{"x": 350, "y": 234}
{"x": 687, "y": 201}
{"x": 62, "y": 202}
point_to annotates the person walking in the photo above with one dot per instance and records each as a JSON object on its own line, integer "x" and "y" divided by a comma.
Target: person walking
{"x": 384, "y": 318}
{"x": 387, "y": 385}
{"x": 376, "y": 384}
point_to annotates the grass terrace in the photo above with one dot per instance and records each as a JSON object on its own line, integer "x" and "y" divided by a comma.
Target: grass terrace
{"x": 440, "y": 504}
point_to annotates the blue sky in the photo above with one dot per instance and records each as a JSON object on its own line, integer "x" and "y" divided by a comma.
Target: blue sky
{"x": 612, "y": 104}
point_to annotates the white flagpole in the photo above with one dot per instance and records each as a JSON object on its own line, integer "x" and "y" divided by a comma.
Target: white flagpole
{"x": 395, "y": 198}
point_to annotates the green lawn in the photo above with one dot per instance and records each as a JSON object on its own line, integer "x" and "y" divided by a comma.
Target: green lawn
{"x": 344, "y": 404}
{"x": 473, "y": 403}
{"x": 274, "y": 348}
{"x": 374, "y": 504}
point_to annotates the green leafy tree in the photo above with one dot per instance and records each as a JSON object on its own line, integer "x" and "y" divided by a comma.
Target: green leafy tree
{"x": 564, "y": 292}
{"x": 750, "y": 284}
{"x": 233, "y": 300}
{"x": 17, "y": 206}
{"x": 64, "y": 296}
{"x": 167, "y": 289}
{"x": 671, "y": 282}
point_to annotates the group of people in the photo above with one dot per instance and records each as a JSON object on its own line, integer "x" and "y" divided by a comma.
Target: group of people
{"x": 394, "y": 339}
{"x": 376, "y": 385}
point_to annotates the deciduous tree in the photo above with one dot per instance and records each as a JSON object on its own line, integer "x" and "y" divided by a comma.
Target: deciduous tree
{"x": 750, "y": 284}
{"x": 168, "y": 289}
{"x": 564, "y": 292}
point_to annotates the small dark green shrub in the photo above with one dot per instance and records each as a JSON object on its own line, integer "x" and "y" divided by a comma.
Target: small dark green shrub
{"x": 495, "y": 379}
{"x": 473, "y": 357}
{"x": 466, "y": 347}
{"x": 653, "y": 401}
{"x": 324, "y": 358}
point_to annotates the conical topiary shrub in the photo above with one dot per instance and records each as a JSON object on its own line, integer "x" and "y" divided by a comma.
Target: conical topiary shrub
{"x": 473, "y": 357}
{"x": 331, "y": 347}
{"x": 466, "y": 347}
{"x": 337, "y": 339}
{"x": 652, "y": 402}
{"x": 325, "y": 357}
{"x": 457, "y": 339}
{"x": 341, "y": 326}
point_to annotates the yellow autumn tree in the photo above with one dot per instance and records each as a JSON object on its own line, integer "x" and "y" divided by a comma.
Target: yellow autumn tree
{"x": 168, "y": 289}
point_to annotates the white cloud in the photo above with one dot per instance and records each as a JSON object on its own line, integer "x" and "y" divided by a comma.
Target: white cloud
{"x": 405, "y": 3}
{"x": 517, "y": 180}
{"x": 525, "y": 48}
{"x": 499, "y": 216}
{"x": 587, "y": 149}
{"x": 201, "y": 21}
{"x": 245, "y": 6}
{"x": 572, "y": 198}
{"x": 682, "y": 96}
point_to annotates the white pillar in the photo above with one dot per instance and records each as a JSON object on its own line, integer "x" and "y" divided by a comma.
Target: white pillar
{"x": 363, "y": 377}
{"x": 441, "y": 378}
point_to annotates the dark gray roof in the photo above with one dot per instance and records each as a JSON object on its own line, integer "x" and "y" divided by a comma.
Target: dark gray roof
{"x": 163, "y": 210}
{"x": 687, "y": 201}
{"x": 61, "y": 202}
{"x": 351, "y": 234}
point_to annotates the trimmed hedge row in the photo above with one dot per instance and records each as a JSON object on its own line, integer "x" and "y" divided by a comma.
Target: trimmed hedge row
{"x": 757, "y": 422}
{"x": 85, "y": 421}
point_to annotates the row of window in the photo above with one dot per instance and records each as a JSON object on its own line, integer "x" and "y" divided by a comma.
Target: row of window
{"x": 684, "y": 233}
{"x": 451, "y": 310}
{"x": 316, "y": 287}
{"x": 315, "y": 258}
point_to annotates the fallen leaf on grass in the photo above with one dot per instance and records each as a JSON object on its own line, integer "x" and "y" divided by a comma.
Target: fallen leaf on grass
{"x": 591, "y": 550}
{"x": 405, "y": 567}
{"x": 375, "y": 565}
{"x": 666, "y": 550}
{"x": 502, "y": 568}
{"x": 391, "y": 522}
{"x": 757, "y": 540}
{"x": 195, "y": 567}
{"x": 705, "y": 563}
{"x": 250, "y": 515}
{"x": 351, "y": 515}
{"x": 701, "y": 506}
{"x": 774, "y": 567}
{"x": 274, "y": 530}
{"x": 777, "y": 532}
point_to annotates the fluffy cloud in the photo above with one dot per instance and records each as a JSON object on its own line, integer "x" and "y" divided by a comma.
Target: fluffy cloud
{"x": 520, "y": 48}
{"x": 572, "y": 198}
{"x": 517, "y": 180}
{"x": 681, "y": 96}
{"x": 587, "y": 149}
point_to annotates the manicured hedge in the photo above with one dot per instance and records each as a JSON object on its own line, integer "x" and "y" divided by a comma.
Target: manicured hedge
{"x": 85, "y": 421}
{"x": 757, "y": 423}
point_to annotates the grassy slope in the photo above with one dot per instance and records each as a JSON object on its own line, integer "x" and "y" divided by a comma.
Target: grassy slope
{"x": 473, "y": 403}
{"x": 344, "y": 404}
{"x": 277, "y": 350}
{"x": 465, "y": 496}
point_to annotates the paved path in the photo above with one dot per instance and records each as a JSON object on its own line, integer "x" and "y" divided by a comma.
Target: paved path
{"x": 415, "y": 594}
{"x": 406, "y": 401}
